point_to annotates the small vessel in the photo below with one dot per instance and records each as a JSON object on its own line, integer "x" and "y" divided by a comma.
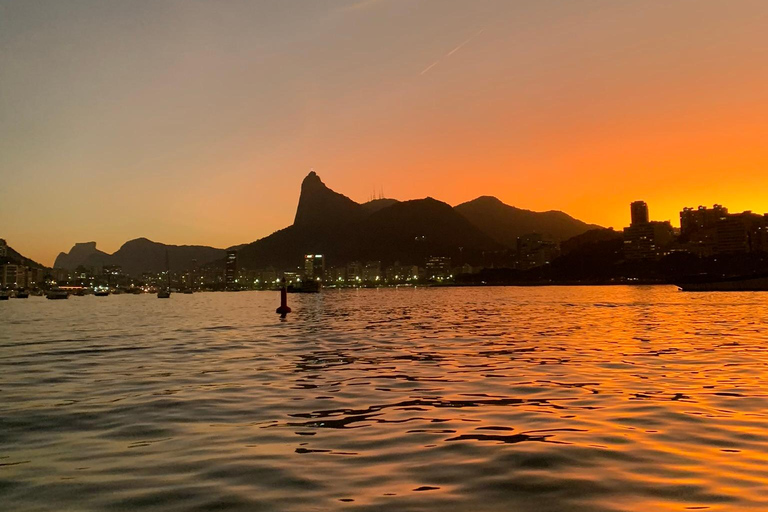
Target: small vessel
{"x": 307, "y": 286}
{"x": 56, "y": 293}
{"x": 4, "y": 295}
{"x": 22, "y": 294}
{"x": 709, "y": 283}
{"x": 101, "y": 292}
{"x": 187, "y": 291}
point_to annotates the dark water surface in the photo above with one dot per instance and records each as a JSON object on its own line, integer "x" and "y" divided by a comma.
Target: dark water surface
{"x": 514, "y": 399}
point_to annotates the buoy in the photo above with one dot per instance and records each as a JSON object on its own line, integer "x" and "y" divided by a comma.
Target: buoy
{"x": 283, "y": 310}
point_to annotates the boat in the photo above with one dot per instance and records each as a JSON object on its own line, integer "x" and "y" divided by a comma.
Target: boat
{"x": 22, "y": 294}
{"x": 307, "y": 286}
{"x": 709, "y": 283}
{"x": 57, "y": 293}
{"x": 4, "y": 296}
{"x": 187, "y": 291}
{"x": 101, "y": 292}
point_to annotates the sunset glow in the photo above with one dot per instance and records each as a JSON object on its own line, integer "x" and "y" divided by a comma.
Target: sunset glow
{"x": 203, "y": 119}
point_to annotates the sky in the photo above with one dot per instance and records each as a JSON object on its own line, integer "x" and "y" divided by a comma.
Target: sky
{"x": 194, "y": 122}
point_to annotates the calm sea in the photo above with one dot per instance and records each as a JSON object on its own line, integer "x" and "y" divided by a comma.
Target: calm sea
{"x": 472, "y": 399}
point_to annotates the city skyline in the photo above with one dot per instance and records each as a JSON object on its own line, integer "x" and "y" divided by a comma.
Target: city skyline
{"x": 192, "y": 123}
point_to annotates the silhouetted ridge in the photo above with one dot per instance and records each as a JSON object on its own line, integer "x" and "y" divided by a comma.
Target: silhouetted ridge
{"x": 82, "y": 253}
{"x": 320, "y": 205}
{"x": 506, "y": 223}
{"x": 15, "y": 258}
{"x": 138, "y": 256}
{"x": 384, "y": 230}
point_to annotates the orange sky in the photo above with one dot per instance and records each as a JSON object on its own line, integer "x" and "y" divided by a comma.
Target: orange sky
{"x": 194, "y": 122}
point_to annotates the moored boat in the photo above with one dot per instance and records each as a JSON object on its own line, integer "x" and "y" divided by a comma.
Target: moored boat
{"x": 307, "y": 286}
{"x": 21, "y": 294}
{"x": 56, "y": 293}
{"x": 4, "y": 295}
{"x": 708, "y": 283}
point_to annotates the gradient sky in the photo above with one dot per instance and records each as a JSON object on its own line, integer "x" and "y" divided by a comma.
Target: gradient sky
{"x": 192, "y": 122}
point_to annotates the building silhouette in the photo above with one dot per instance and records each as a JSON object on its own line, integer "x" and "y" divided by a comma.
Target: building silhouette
{"x": 711, "y": 231}
{"x": 645, "y": 239}
{"x": 230, "y": 270}
{"x": 639, "y": 213}
{"x": 314, "y": 266}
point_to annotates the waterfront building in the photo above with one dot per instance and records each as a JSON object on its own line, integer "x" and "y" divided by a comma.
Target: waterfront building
{"x": 645, "y": 239}
{"x": 438, "y": 267}
{"x": 314, "y": 266}
{"x": 372, "y": 272}
{"x": 336, "y": 275}
{"x": 401, "y": 273}
{"x": 11, "y": 275}
{"x": 354, "y": 272}
{"x": 741, "y": 233}
{"x": 230, "y": 270}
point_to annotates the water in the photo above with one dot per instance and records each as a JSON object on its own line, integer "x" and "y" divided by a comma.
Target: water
{"x": 478, "y": 399}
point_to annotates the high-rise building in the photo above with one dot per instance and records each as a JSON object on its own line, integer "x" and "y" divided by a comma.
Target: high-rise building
{"x": 438, "y": 267}
{"x": 701, "y": 218}
{"x": 230, "y": 270}
{"x": 11, "y": 275}
{"x": 740, "y": 233}
{"x": 639, "y": 212}
{"x": 314, "y": 266}
{"x": 646, "y": 240}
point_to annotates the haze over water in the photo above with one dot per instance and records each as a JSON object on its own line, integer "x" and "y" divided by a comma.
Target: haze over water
{"x": 545, "y": 399}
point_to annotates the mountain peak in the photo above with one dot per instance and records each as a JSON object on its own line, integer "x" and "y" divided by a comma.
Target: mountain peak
{"x": 319, "y": 205}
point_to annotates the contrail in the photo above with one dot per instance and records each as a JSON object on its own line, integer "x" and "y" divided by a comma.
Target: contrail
{"x": 453, "y": 51}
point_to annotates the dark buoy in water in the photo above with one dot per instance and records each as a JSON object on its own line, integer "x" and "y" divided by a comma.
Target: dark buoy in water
{"x": 283, "y": 310}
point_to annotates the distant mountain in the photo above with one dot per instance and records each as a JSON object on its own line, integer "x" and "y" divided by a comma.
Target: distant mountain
{"x": 332, "y": 224}
{"x": 138, "y": 256}
{"x": 385, "y": 230}
{"x": 411, "y": 231}
{"x": 505, "y": 223}
{"x": 82, "y": 253}
{"x": 143, "y": 255}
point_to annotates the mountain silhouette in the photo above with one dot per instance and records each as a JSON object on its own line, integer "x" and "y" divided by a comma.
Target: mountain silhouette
{"x": 332, "y": 224}
{"x": 138, "y": 256}
{"x": 506, "y": 223}
{"x": 83, "y": 253}
{"x": 319, "y": 205}
{"x": 391, "y": 231}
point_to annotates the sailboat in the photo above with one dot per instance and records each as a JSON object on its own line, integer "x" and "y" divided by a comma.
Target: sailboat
{"x": 166, "y": 292}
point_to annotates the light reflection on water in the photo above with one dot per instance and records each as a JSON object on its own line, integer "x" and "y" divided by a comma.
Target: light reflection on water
{"x": 540, "y": 399}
